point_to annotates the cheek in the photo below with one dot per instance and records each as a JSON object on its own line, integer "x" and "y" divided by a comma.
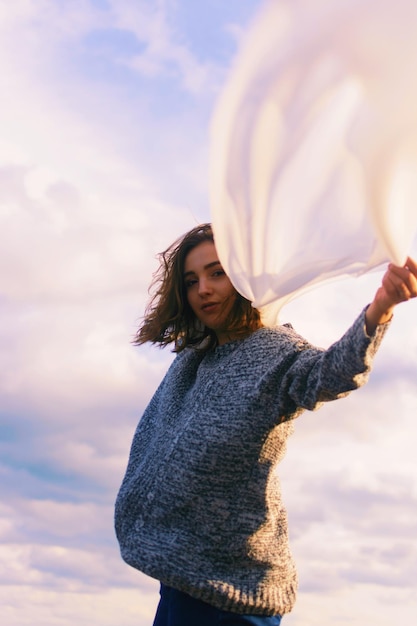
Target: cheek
{"x": 227, "y": 288}
{"x": 232, "y": 292}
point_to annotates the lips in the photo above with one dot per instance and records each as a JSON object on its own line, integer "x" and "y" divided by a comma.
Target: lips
{"x": 209, "y": 306}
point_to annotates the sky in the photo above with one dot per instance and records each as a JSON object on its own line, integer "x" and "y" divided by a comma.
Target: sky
{"x": 105, "y": 110}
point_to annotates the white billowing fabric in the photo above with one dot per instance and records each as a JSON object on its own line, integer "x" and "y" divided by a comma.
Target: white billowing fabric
{"x": 314, "y": 146}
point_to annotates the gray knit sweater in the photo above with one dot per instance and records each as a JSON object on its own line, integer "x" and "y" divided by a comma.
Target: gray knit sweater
{"x": 200, "y": 506}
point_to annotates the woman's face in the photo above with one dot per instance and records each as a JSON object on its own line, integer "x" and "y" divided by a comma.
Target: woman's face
{"x": 210, "y": 293}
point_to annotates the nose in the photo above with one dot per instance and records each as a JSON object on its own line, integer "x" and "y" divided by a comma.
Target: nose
{"x": 204, "y": 286}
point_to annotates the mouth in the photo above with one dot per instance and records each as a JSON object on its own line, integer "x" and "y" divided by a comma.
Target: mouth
{"x": 209, "y": 306}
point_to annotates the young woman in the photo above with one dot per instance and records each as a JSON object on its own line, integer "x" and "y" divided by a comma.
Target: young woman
{"x": 200, "y": 507}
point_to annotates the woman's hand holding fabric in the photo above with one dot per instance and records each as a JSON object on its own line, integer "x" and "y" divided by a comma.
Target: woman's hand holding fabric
{"x": 399, "y": 284}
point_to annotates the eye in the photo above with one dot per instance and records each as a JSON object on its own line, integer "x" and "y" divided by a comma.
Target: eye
{"x": 190, "y": 282}
{"x": 220, "y": 272}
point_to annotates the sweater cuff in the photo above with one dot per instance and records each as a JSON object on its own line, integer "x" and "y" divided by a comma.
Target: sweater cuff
{"x": 379, "y": 331}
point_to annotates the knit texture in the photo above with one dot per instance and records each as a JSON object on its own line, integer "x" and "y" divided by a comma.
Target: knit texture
{"x": 200, "y": 506}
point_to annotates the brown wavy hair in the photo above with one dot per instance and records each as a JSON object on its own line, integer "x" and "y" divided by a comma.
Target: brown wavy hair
{"x": 169, "y": 318}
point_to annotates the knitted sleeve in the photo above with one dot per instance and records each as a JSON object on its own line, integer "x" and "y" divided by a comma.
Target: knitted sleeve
{"x": 318, "y": 375}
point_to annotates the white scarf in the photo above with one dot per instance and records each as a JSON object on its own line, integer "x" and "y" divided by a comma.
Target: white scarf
{"x": 314, "y": 146}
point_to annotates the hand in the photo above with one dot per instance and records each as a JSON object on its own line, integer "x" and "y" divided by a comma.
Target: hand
{"x": 398, "y": 285}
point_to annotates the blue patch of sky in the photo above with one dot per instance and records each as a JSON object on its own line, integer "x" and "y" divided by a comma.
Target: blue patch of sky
{"x": 45, "y": 472}
{"x": 30, "y": 477}
{"x": 44, "y": 481}
{"x": 102, "y": 58}
{"x": 8, "y": 434}
{"x": 24, "y": 424}
{"x": 203, "y": 25}
{"x": 104, "y": 54}
{"x": 100, "y": 4}
{"x": 14, "y": 426}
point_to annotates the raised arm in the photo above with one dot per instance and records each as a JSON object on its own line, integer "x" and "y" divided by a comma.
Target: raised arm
{"x": 398, "y": 285}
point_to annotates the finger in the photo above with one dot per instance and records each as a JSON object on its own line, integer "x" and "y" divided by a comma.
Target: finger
{"x": 398, "y": 284}
{"x": 406, "y": 288}
{"x": 403, "y": 292}
{"x": 412, "y": 285}
{"x": 412, "y": 265}
{"x": 403, "y": 273}
{"x": 411, "y": 278}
